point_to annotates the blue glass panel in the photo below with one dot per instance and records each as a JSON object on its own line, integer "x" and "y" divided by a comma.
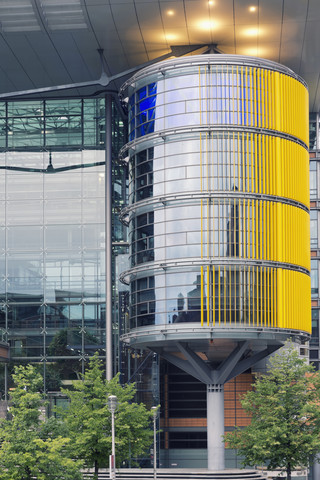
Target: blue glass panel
{"x": 152, "y": 88}
{"x": 142, "y": 93}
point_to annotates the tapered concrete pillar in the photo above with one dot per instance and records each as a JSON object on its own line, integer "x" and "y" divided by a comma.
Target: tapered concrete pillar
{"x": 215, "y": 426}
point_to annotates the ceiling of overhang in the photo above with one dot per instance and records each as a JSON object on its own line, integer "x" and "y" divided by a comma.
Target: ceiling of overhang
{"x": 44, "y": 43}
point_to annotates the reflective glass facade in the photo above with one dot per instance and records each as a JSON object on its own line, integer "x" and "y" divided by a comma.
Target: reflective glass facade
{"x": 218, "y": 194}
{"x": 52, "y": 232}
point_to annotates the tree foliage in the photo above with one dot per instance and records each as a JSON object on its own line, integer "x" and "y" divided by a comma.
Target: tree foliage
{"x": 88, "y": 419}
{"x": 32, "y": 447}
{"x": 285, "y": 416}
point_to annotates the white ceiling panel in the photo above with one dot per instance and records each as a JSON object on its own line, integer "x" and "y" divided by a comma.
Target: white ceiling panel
{"x": 243, "y": 14}
{"x": 289, "y": 57}
{"x": 295, "y": 10}
{"x": 314, "y": 11}
{"x": 173, "y": 14}
{"x": 149, "y": 15}
{"x": 223, "y": 36}
{"x": 198, "y": 14}
{"x": 100, "y": 17}
{"x": 293, "y": 32}
{"x": 125, "y": 17}
{"x": 198, "y": 36}
{"x": 222, "y": 13}
{"x": 270, "y": 11}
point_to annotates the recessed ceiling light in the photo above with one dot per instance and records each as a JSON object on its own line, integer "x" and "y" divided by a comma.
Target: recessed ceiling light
{"x": 251, "y": 32}
{"x": 252, "y": 8}
{"x": 170, "y": 12}
{"x": 170, "y": 36}
{"x": 207, "y": 24}
{"x": 210, "y": 2}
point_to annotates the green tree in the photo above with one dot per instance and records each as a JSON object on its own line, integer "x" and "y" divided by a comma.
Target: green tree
{"x": 31, "y": 447}
{"x": 285, "y": 416}
{"x": 89, "y": 421}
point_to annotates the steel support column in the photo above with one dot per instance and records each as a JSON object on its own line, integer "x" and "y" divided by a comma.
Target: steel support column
{"x": 108, "y": 234}
{"x": 215, "y": 426}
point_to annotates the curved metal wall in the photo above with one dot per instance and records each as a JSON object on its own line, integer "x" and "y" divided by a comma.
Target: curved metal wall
{"x": 219, "y": 194}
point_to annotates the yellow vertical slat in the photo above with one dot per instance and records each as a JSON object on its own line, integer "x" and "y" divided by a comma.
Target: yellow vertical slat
{"x": 253, "y": 296}
{"x": 252, "y": 157}
{"x": 232, "y": 83}
{"x": 230, "y": 294}
{"x": 201, "y": 293}
{"x": 258, "y": 296}
{"x": 200, "y": 99}
{"x": 267, "y": 225}
{"x": 257, "y": 223}
{"x": 213, "y": 296}
{"x": 219, "y": 295}
{"x": 262, "y": 83}
{"x": 247, "y": 101}
{"x": 252, "y": 233}
{"x": 262, "y": 305}
{"x": 238, "y": 150}
{"x": 201, "y": 228}
{"x": 270, "y": 99}
{"x": 271, "y": 297}
{"x": 266, "y": 165}
{"x": 249, "y": 296}
{"x": 242, "y": 107}
{"x": 266, "y": 96}
{"x": 271, "y": 229}
{"x": 244, "y": 227}
{"x": 261, "y": 242}
{"x": 250, "y": 89}
{"x": 208, "y": 296}
{"x": 224, "y": 296}
{"x": 208, "y": 230}
{"x": 268, "y": 309}
{"x": 245, "y": 161}
{"x": 275, "y": 299}
{"x": 256, "y": 164}
{"x": 238, "y": 95}
{"x": 256, "y": 89}
{"x": 235, "y": 294}
{"x": 280, "y": 297}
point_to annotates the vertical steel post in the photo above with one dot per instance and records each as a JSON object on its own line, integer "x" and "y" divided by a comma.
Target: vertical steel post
{"x": 108, "y": 235}
{"x": 155, "y": 414}
{"x": 215, "y": 426}
{"x": 112, "y": 405}
{"x": 113, "y": 452}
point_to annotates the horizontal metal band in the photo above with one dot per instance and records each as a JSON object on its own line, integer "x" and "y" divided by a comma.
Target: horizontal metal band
{"x": 195, "y": 332}
{"x": 199, "y": 60}
{"x": 153, "y": 203}
{"x": 170, "y": 134}
{"x": 156, "y": 267}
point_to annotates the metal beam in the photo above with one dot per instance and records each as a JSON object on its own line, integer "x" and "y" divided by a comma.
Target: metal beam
{"x": 249, "y": 362}
{"x": 229, "y": 364}
{"x": 197, "y": 363}
{"x": 182, "y": 364}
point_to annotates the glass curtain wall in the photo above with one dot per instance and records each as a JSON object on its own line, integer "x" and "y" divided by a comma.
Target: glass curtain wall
{"x": 52, "y": 232}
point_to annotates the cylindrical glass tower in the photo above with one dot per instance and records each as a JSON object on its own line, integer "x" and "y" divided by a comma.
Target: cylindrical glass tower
{"x": 218, "y": 210}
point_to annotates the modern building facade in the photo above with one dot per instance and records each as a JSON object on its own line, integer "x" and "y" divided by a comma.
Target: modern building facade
{"x": 218, "y": 218}
{"x": 53, "y": 282}
{"x": 53, "y": 222}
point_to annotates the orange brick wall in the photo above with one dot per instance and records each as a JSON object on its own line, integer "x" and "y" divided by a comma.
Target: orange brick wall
{"x": 234, "y": 415}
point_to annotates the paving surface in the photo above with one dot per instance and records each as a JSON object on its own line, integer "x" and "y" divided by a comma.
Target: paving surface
{"x": 180, "y": 474}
